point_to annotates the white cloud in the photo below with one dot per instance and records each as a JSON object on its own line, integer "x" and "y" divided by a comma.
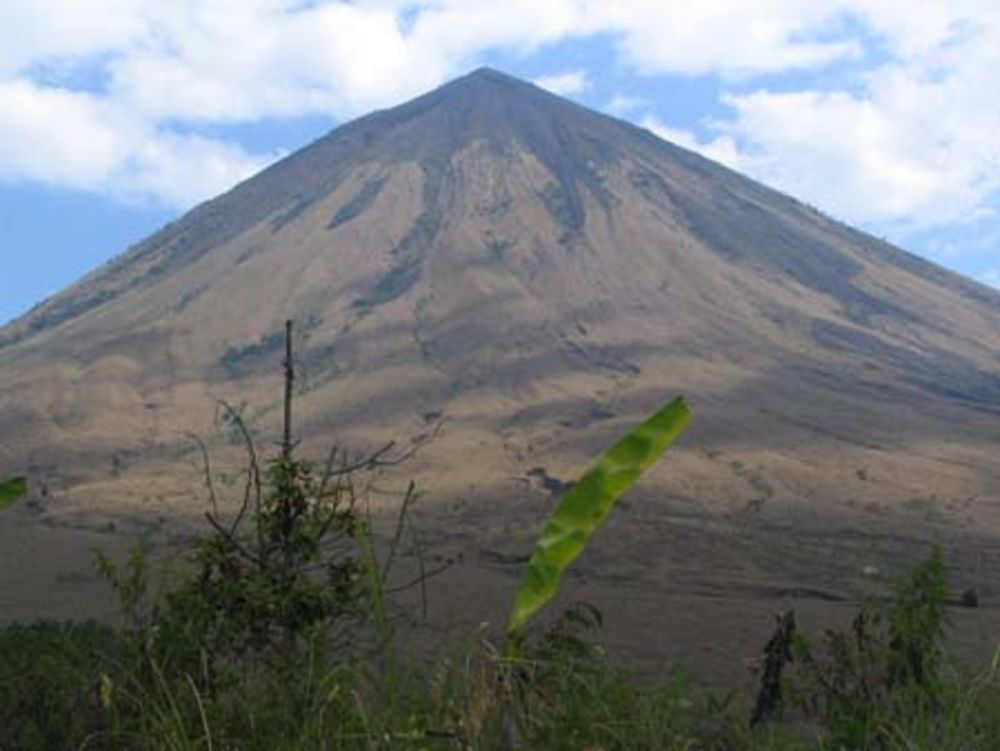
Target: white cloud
{"x": 847, "y": 153}
{"x": 182, "y": 170}
{"x": 76, "y": 140}
{"x": 55, "y": 136}
{"x": 565, "y": 84}
{"x": 231, "y": 61}
{"x": 918, "y": 146}
{"x": 162, "y": 69}
{"x": 730, "y": 37}
{"x": 722, "y": 149}
{"x": 990, "y": 277}
{"x": 34, "y": 30}
{"x": 621, "y": 105}
{"x": 914, "y": 141}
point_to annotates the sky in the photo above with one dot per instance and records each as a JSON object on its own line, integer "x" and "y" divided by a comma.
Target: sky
{"x": 117, "y": 116}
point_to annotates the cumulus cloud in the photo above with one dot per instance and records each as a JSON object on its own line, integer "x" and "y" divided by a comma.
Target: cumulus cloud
{"x": 722, "y": 149}
{"x": 729, "y": 37}
{"x": 917, "y": 145}
{"x": 109, "y": 95}
{"x": 182, "y": 169}
{"x": 852, "y": 155}
{"x": 99, "y": 94}
{"x": 565, "y": 84}
{"x": 622, "y": 105}
{"x": 56, "y": 136}
{"x": 69, "y": 139}
{"x": 909, "y": 143}
{"x": 990, "y": 277}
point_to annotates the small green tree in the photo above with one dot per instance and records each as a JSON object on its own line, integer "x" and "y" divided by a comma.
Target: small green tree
{"x": 286, "y": 565}
{"x": 890, "y": 657}
{"x": 288, "y": 561}
{"x": 276, "y": 572}
{"x": 917, "y": 624}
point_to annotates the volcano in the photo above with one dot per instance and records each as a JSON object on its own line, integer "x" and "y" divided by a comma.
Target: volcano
{"x": 524, "y": 279}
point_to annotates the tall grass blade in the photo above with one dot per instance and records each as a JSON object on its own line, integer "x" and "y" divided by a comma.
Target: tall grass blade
{"x": 584, "y": 508}
{"x": 11, "y": 491}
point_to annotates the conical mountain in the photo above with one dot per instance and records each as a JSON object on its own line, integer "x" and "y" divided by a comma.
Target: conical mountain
{"x": 535, "y": 277}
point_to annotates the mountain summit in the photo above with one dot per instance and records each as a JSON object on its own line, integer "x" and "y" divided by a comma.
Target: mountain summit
{"x": 532, "y": 278}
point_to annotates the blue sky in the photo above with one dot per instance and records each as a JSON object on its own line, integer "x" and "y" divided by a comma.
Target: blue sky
{"x": 116, "y": 116}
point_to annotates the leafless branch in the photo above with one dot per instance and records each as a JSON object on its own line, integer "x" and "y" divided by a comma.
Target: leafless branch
{"x": 422, "y": 578}
{"x": 378, "y": 458}
{"x": 370, "y": 462}
{"x": 253, "y": 486}
{"x": 232, "y": 540}
{"x": 331, "y": 459}
{"x": 207, "y": 465}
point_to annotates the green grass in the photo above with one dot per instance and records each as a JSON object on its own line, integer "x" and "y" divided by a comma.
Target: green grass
{"x": 70, "y": 686}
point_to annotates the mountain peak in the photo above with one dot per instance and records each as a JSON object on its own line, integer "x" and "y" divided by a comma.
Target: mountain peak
{"x": 487, "y": 75}
{"x": 541, "y": 276}
{"x": 492, "y": 81}
{"x": 487, "y": 97}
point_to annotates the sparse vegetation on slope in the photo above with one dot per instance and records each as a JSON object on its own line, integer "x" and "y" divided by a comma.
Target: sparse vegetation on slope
{"x": 278, "y": 636}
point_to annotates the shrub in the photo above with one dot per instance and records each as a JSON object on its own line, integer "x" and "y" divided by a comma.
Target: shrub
{"x": 51, "y": 675}
{"x": 890, "y": 658}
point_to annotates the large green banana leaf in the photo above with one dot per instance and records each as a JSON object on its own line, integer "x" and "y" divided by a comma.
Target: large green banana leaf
{"x": 11, "y": 491}
{"x": 584, "y": 508}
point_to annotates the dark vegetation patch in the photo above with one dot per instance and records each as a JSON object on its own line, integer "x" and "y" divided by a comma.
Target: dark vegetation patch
{"x": 235, "y": 359}
{"x": 598, "y": 412}
{"x": 189, "y": 297}
{"x": 56, "y": 314}
{"x": 650, "y": 184}
{"x": 498, "y": 247}
{"x": 324, "y": 363}
{"x": 566, "y": 212}
{"x": 292, "y": 212}
{"x": 936, "y": 371}
{"x": 409, "y": 255}
{"x": 243, "y": 359}
{"x": 357, "y": 204}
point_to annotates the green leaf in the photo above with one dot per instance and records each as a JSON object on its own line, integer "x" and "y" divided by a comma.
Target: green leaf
{"x": 584, "y": 508}
{"x": 11, "y": 491}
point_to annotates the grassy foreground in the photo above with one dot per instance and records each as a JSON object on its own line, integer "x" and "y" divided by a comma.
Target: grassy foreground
{"x": 84, "y": 685}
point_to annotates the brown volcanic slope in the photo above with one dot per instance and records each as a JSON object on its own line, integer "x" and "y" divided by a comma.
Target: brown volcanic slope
{"x": 537, "y": 276}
